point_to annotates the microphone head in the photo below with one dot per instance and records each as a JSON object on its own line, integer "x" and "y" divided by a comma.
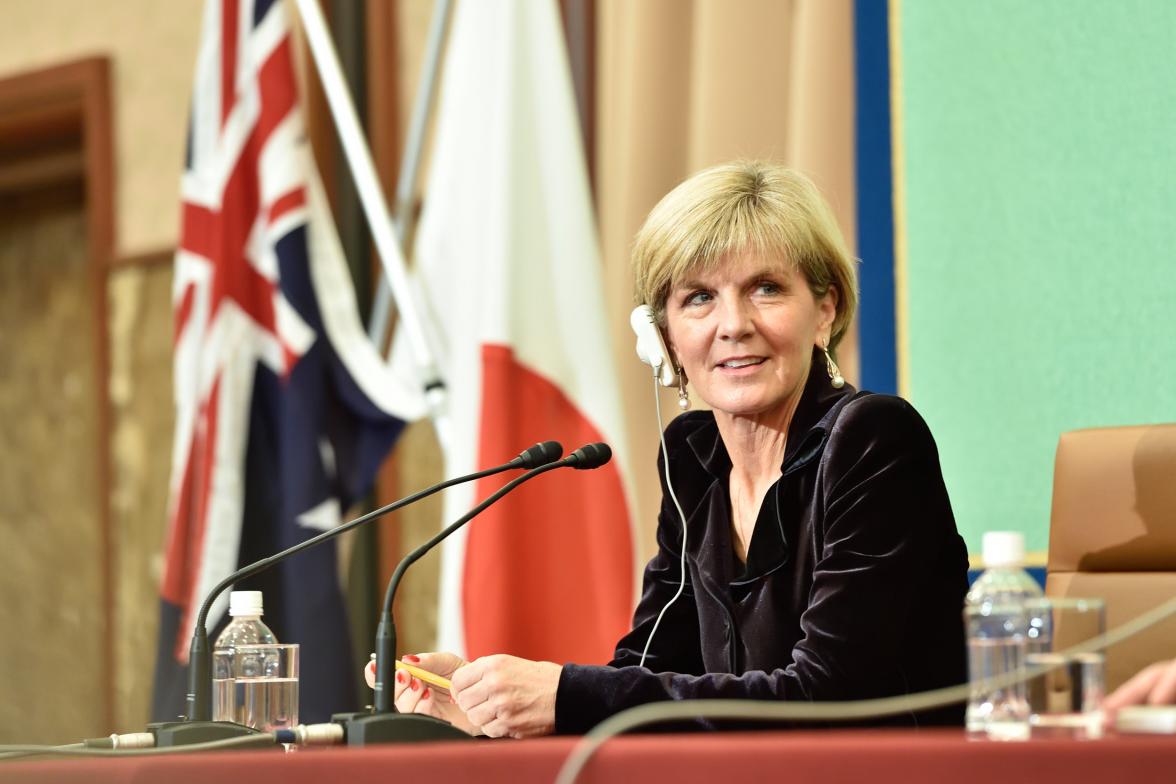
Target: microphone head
{"x": 540, "y": 454}
{"x": 590, "y": 456}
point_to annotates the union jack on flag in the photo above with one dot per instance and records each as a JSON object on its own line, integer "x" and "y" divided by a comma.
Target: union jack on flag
{"x": 284, "y": 410}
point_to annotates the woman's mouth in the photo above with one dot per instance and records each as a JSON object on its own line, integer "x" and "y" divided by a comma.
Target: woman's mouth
{"x": 739, "y": 363}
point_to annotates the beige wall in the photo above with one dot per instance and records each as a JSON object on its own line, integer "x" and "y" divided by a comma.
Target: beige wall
{"x": 51, "y": 580}
{"x": 152, "y": 44}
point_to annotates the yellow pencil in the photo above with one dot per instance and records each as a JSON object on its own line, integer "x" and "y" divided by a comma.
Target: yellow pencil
{"x": 431, "y": 678}
{"x": 424, "y": 675}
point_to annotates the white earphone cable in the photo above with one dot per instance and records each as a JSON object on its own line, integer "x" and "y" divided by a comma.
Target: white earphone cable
{"x": 681, "y": 515}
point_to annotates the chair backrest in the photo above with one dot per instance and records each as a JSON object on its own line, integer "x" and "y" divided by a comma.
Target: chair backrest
{"x": 1112, "y": 532}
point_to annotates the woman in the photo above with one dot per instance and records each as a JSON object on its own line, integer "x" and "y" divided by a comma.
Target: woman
{"x": 823, "y": 561}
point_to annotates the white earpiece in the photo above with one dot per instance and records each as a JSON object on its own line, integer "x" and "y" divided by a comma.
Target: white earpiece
{"x": 651, "y": 348}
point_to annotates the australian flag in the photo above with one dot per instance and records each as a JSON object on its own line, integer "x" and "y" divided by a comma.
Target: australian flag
{"x": 284, "y": 409}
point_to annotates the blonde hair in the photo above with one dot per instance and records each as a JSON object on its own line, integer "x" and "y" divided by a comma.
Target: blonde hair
{"x": 744, "y": 206}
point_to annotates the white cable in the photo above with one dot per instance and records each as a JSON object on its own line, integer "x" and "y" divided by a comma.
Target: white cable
{"x": 760, "y": 710}
{"x": 73, "y": 750}
{"x": 328, "y": 734}
{"x": 16, "y": 752}
{"x": 143, "y": 743}
{"x": 681, "y": 515}
{"x": 132, "y": 740}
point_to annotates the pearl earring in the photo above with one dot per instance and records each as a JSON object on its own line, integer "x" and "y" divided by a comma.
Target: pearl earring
{"x": 835, "y": 376}
{"x": 683, "y": 398}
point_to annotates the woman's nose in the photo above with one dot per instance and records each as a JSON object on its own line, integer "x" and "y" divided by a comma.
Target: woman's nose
{"x": 735, "y": 318}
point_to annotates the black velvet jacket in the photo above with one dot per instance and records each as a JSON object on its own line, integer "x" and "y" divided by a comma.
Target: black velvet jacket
{"x": 854, "y": 582}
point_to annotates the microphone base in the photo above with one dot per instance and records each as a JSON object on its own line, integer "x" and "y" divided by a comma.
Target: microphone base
{"x": 377, "y": 728}
{"x": 185, "y": 733}
{"x": 350, "y": 716}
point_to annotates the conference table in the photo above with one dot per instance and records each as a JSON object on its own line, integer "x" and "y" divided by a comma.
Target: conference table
{"x": 819, "y": 757}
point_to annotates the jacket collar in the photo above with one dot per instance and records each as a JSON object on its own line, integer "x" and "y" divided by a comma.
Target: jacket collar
{"x": 806, "y": 432}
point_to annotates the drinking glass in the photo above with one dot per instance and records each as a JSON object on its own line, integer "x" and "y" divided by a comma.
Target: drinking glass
{"x": 1065, "y": 700}
{"x": 256, "y": 685}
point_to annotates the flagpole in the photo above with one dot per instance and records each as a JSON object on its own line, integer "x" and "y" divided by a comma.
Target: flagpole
{"x": 405, "y": 186}
{"x": 375, "y": 208}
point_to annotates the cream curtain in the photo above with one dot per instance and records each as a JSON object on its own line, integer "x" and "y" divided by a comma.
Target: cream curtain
{"x": 685, "y": 84}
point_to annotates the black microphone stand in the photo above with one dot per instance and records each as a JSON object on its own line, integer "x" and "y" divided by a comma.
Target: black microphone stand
{"x": 385, "y": 724}
{"x": 197, "y": 726}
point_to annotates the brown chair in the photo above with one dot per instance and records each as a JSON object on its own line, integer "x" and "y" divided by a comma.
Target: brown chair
{"x": 1112, "y": 532}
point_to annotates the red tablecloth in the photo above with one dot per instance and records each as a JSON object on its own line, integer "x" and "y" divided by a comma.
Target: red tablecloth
{"x": 827, "y": 757}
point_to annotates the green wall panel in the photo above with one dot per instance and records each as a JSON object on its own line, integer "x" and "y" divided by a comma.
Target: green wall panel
{"x": 1039, "y": 141}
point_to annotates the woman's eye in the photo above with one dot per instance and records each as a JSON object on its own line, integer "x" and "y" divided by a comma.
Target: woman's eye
{"x": 769, "y": 288}
{"x": 697, "y": 298}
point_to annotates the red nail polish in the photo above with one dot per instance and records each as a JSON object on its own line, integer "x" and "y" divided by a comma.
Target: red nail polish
{"x": 425, "y": 693}
{"x": 415, "y": 684}
{"x": 412, "y": 659}
{"x": 400, "y": 677}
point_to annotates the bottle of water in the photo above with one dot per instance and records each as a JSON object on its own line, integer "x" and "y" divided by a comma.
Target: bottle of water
{"x": 995, "y": 618}
{"x": 236, "y": 686}
{"x": 246, "y": 628}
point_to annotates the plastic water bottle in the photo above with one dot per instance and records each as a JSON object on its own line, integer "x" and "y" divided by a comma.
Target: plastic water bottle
{"x": 996, "y": 622}
{"x": 238, "y": 694}
{"x": 246, "y": 628}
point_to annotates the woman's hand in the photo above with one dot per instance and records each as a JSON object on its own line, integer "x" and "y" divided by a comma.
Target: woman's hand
{"x": 507, "y": 696}
{"x": 411, "y": 695}
{"x": 1154, "y": 685}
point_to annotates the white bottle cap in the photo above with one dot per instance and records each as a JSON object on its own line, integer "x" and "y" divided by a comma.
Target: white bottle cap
{"x": 247, "y": 603}
{"x": 1003, "y": 548}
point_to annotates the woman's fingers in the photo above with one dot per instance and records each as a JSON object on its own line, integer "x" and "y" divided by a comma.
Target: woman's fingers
{"x": 473, "y": 687}
{"x": 498, "y": 695}
{"x": 412, "y": 695}
{"x": 1163, "y": 691}
{"x": 409, "y": 695}
{"x": 482, "y": 715}
{"x": 399, "y": 684}
{"x": 1136, "y": 690}
{"x": 439, "y": 662}
{"x": 508, "y": 696}
{"x": 496, "y": 729}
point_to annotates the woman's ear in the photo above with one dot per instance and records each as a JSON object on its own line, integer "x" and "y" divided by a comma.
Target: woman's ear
{"x": 827, "y": 307}
{"x": 671, "y": 350}
{"x": 668, "y": 341}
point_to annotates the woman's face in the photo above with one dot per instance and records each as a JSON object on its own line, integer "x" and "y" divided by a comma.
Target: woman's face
{"x": 744, "y": 333}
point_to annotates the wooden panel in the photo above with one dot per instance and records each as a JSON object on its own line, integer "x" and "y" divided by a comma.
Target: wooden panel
{"x": 58, "y": 251}
{"x": 52, "y": 580}
{"x": 142, "y": 419}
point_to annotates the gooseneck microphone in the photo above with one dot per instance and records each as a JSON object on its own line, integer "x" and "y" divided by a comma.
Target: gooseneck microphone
{"x": 385, "y": 725}
{"x": 197, "y": 726}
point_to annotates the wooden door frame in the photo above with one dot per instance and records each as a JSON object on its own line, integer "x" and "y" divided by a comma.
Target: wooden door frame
{"x": 41, "y": 98}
